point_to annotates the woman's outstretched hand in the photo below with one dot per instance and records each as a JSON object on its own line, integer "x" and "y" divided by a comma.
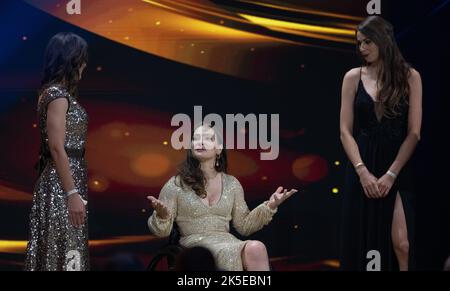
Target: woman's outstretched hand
{"x": 280, "y": 196}
{"x": 161, "y": 209}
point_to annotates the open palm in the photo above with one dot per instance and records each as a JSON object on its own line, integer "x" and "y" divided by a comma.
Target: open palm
{"x": 280, "y": 196}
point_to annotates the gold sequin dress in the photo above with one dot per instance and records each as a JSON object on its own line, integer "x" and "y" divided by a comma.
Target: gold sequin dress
{"x": 54, "y": 244}
{"x": 209, "y": 226}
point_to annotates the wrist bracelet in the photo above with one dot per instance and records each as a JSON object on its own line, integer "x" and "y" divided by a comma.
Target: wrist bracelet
{"x": 392, "y": 174}
{"x": 71, "y": 192}
{"x": 359, "y": 165}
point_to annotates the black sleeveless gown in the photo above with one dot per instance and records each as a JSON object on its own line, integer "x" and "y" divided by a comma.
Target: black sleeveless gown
{"x": 367, "y": 223}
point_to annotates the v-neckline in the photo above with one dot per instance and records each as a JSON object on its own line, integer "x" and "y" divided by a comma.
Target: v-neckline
{"x": 371, "y": 99}
{"x": 222, "y": 180}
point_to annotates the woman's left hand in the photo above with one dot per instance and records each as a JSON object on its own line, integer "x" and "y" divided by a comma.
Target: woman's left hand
{"x": 385, "y": 184}
{"x": 280, "y": 196}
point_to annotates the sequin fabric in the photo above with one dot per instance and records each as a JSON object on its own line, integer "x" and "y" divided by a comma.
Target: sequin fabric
{"x": 209, "y": 226}
{"x": 54, "y": 244}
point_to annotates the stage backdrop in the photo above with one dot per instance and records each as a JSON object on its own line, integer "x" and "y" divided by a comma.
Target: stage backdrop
{"x": 150, "y": 60}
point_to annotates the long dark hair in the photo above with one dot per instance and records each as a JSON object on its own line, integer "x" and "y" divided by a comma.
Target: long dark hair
{"x": 394, "y": 70}
{"x": 65, "y": 54}
{"x": 192, "y": 175}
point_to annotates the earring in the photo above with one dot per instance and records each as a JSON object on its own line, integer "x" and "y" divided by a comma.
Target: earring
{"x": 217, "y": 160}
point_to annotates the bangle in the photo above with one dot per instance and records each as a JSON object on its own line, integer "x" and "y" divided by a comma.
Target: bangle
{"x": 392, "y": 174}
{"x": 359, "y": 165}
{"x": 71, "y": 192}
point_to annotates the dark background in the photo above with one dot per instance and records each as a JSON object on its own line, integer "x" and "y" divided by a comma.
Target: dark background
{"x": 307, "y": 100}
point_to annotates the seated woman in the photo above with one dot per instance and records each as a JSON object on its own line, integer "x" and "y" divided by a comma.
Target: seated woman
{"x": 202, "y": 199}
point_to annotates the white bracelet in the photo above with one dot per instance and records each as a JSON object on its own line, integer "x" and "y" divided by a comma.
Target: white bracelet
{"x": 392, "y": 174}
{"x": 359, "y": 165}
{"x": 71, "y": 192}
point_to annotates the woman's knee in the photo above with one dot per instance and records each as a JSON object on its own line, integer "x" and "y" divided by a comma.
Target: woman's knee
{"x": 402, "y": 246}
{"x": 255, "y": 250}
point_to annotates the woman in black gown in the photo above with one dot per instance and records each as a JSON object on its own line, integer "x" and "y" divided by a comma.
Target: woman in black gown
{"x": 381, "y": 114}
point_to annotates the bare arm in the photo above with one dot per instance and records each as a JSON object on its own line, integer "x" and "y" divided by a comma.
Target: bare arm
{"x": 56, "y": 131}
{"x": 414, "y": 123}
{"x": 349, "y": 86}
{"x": 347, "y": 115}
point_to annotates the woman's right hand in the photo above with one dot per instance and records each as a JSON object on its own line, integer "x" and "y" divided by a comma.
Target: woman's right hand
{"x": 77, "y": 210}
{"x": 161, "y": 209}
{"x": 369, "y": 183}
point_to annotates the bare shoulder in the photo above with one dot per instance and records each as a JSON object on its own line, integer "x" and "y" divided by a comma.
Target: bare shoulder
{"x": 351, "y": 78}
{"x": 350, "y": 84}
{"x": 352, "y": 74}
{"x": 414, "y": 75}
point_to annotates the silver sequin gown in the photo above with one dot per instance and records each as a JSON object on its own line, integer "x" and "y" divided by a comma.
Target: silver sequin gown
{"x": 54, "y": 244}
{"x": 209, "y": 226}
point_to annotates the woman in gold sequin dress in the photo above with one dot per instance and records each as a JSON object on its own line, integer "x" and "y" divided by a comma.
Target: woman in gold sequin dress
{"x": 58, "y": 239}
{"x": 202, "y": 199}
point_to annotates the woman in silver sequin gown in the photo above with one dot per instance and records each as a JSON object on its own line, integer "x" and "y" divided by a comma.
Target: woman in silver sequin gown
{"x": 58, "y": 239}
{"x": 202, "y": 199}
